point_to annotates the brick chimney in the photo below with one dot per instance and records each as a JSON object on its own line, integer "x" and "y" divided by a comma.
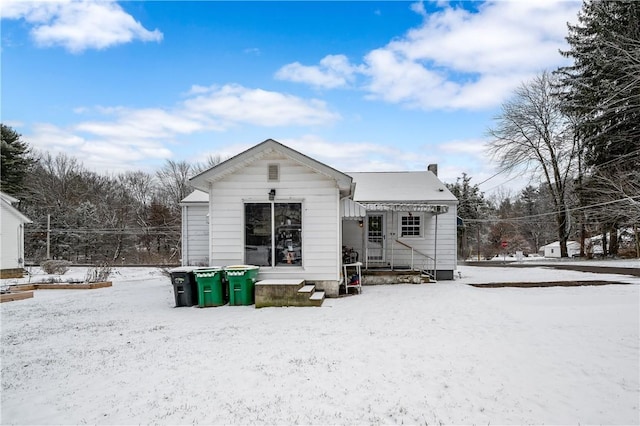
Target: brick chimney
{"x": 433, "y": 168}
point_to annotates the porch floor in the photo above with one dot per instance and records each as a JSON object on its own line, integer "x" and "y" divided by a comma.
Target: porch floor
{"x": 386, "y": 275}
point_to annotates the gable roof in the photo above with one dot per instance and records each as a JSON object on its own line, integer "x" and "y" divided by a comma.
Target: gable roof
{"x": 7, "y": 200}
{"x": 233, "y": 164}
{"x": 196, "y": 196}
{"x": 418, "y": 186}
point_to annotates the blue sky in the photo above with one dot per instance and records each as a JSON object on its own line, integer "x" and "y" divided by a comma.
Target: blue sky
{"x": 360, "y": 86}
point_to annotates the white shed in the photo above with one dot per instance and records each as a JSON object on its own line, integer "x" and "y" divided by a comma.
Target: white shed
{"x": 11, "y": 238}
{"x": 195, "y": 229}
{"x": 553, "y": 249}
{"x": 294, "y": 217}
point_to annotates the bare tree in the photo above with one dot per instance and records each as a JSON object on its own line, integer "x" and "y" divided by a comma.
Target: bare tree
{"x": 173, "y": 180}
{"x": 532, "y": 134}
{"x": 211, "y": 161}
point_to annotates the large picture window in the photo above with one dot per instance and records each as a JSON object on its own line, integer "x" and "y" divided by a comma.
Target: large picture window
{"x": 273, "y": 234}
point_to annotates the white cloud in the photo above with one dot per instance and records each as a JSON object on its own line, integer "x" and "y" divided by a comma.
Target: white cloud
{"x": 101, "y": 154}
{"x": 457, "y": 59}
{"x": 78, "y": 25}
{"x": 234, "y": 104}
{"x": 462, "y": 59}
{"x": 252, "y": 51}
{"x": 118, "y": 137}
{"x": 418, "y": 8}
{"x": 469, "y": 146}
{"x": 333, "y": 71}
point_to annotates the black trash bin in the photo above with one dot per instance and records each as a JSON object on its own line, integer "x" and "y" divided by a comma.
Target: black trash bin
{"x": 185, "y": 288}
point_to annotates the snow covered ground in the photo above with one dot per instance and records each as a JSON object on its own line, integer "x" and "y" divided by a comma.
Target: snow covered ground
{"x": 419, "y": 354}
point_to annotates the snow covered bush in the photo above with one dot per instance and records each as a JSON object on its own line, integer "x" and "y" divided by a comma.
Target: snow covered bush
{"x": 98, "y": 273}
{"x": 55, "y": 267}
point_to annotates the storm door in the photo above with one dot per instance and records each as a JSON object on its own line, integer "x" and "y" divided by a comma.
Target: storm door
{"x": 375, "y": 237}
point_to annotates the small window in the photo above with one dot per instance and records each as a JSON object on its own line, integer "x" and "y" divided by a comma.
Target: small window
{"x": 410, "y": 226}
{"x": 273, "y": 173}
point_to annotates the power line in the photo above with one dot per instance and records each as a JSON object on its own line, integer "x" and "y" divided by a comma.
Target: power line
{"x": 513, "y": 219}
{"x": 107, "y": 231}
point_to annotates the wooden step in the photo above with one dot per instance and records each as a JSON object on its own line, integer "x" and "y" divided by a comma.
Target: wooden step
{"x": 20, "y": 295}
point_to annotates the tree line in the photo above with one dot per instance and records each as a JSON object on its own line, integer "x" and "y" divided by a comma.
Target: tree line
{"x": 87, "y": 217}
{"x": 576, "y": 132}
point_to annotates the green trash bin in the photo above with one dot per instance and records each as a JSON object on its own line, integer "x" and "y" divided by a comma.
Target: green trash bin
{"x": 242, "y": 281}
{"x": 210, "y": 286}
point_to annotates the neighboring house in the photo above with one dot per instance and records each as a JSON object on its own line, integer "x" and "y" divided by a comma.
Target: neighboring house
{"x": 296, "y": 217}
{"x": 553, "y": 249}
{"x": 12, "y": 238}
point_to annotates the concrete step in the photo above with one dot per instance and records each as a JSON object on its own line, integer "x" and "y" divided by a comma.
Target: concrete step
{"x": 317, "y": 298}
{"x": 286, "y": 292}
{"x": 307, "y": 289}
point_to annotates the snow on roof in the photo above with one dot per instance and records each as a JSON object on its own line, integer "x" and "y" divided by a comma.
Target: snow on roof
{"x": 7, "y": 201}
{"x": 239, "y": 161}
{"x": 8, "y": 198}
{"x": 400, "y": 186}
{"x": 557, "y": 244}
{"x": 196, "y": 196}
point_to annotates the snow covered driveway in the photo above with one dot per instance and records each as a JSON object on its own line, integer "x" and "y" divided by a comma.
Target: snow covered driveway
{"x": 427, "y": 354}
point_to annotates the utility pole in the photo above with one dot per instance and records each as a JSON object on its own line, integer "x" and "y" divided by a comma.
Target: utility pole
{"x": 478, "y": 240}
{"x": 48, "y": 236}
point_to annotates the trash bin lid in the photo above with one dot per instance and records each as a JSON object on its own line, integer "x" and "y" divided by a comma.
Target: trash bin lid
{"x": 240, "y": 267}
{"x": 182, "y": 269}
{"x": 207, "y": 271}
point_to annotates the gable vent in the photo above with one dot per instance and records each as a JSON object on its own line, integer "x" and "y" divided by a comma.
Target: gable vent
{"x": 273, "y": 173}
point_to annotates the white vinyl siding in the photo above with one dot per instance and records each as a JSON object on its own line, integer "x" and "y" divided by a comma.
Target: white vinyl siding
{"x": 446, "y": 244}
{"x": 398, "y": 252}
{"x": 195, "y": 235}
{"x": 318, "y": 195}
{"x": 12, "y": 236}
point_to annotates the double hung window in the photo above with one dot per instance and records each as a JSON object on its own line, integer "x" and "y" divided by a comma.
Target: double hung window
{"x": 410, "y": 225}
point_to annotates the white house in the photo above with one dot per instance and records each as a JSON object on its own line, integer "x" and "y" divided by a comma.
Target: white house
{"x": 11, "y": 238}
{"x": 553, "y": 249}
{"x": 296, "y": 217}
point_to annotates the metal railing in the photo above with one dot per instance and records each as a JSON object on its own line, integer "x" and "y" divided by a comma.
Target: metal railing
{"x": 403, "y": 256}
{"x": 419, "y": 261}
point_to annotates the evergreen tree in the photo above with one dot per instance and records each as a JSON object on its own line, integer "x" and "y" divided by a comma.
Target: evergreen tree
{"x": 471, "y": 208}
{"x": 602, "y": 88}
{"x": 16, "y": 161}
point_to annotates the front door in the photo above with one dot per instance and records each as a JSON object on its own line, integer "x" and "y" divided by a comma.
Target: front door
{"x": 375, "y": 237}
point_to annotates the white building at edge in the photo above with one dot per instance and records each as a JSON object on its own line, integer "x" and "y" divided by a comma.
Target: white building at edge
{"x": 11, "y": 237}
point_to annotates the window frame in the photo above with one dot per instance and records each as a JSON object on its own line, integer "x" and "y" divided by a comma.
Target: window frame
{"x": 273, "y": 259}
{"x": 401, "y": 226}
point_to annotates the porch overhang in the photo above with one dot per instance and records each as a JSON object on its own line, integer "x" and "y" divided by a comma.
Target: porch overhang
{"x": 406, "y": 207}
{"x": 352, "y": 209}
